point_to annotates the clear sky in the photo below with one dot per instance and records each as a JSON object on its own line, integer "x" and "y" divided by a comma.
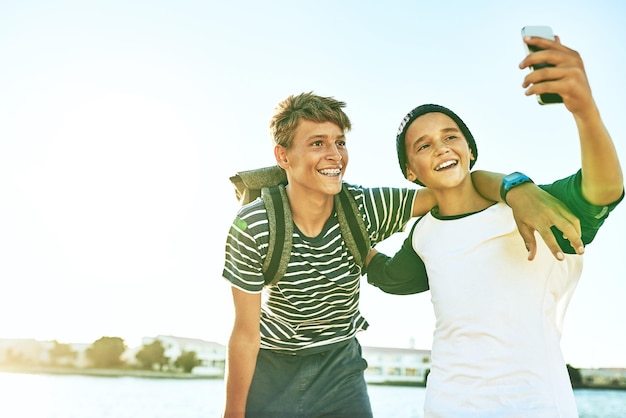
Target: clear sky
{"x": 120, "y": 123}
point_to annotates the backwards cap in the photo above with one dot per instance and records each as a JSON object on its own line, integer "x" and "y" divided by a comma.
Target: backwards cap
{"x": 422, "y": 110}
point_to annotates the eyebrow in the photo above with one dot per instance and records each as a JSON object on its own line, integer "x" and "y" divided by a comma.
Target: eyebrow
{"x": 318, "y": 136}
{"x": 444, "y": 130}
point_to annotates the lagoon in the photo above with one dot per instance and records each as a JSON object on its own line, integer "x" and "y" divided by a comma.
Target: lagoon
{"x": 72, "y": 396}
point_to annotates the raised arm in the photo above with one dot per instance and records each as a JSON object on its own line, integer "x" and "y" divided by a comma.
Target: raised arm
{"x": 602, "y": 177}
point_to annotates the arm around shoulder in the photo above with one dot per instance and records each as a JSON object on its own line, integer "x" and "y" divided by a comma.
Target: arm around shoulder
{"x": 402, "y": 274}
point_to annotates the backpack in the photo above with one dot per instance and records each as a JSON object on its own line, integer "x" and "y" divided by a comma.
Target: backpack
{"x": 268, "y": 183}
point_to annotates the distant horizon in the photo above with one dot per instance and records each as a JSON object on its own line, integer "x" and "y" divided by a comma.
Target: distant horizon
{"x": 225, "y": 345}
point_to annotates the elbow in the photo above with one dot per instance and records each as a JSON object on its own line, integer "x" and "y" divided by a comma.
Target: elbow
{"x": 606, "y": 195}
{"x": 244, "y": 342}
{"x": 245, "y": 335}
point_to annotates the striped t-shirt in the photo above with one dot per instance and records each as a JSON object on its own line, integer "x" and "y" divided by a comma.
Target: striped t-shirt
{"x": 316, "y": 303}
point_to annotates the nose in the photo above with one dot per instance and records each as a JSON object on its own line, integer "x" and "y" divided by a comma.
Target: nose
{"x": 441, "y": 147}
{"x": 334, "y": 154}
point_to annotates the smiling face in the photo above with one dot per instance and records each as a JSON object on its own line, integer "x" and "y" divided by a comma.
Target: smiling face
{"x": 438, "y": 154}
{"x": 316, "y": 160}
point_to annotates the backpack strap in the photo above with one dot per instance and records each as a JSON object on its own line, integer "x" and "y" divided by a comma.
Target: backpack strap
{"x": 352, "y": 226}
{"x": 280, "y": 233}
{"x": 280, "y": 221}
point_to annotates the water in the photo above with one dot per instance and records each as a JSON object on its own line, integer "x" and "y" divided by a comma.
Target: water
{"x": 52, "y": 396}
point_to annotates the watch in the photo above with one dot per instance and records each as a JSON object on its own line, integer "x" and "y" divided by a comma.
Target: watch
{"x": 510, "y": 181}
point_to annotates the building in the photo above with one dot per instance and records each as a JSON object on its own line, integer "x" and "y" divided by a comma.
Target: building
{"x": 396, "y": 366}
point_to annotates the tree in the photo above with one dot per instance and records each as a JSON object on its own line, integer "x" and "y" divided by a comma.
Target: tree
{"x": 107, "y": 352}
{"x": 187, "y": 361}
{"x": 151, "y": 354}
{"x": 61, "y": 353}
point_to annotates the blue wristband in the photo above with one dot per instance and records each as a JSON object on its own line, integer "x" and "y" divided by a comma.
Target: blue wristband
{"x": 511, "y": 181}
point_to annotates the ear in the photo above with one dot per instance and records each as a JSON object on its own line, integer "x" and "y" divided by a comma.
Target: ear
{"x": 280, "y": 153}
{"x": 469, "y": 147}
{"x": 410, "y": 175}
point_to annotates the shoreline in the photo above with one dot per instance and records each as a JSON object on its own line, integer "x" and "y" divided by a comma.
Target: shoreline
{"x": 147, "y": 374}
{"x": 155, "y": 374}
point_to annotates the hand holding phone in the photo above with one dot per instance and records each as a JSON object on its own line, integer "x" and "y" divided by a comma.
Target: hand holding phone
{"x": 542, "y": 32}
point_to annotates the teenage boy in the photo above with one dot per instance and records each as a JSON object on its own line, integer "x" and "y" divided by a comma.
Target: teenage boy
{"x": 496, "y": 346}
{"x": 293, "y": 352}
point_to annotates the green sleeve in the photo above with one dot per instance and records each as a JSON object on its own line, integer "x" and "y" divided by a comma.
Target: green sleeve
{"x": 569, "y": 191}
{"x": 402, "y": 274}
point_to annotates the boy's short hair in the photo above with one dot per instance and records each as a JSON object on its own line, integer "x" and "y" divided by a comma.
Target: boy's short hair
{"x": 307, "y": 106}
{"x": 422, "y": 110}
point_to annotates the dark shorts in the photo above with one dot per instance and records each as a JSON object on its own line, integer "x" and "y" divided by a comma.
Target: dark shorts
{"x": 325, "y": 384}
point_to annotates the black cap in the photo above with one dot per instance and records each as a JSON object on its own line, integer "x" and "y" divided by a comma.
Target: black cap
{"x": 422, "y": 110}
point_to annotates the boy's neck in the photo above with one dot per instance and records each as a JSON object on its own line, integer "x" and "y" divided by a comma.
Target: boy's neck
{"x": 310, "y": 211}
{"x": 460, "y": 200}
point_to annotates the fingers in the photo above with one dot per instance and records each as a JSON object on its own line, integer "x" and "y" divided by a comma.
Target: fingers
{"x": 571, "y": 230}
{"x": 573, "y": 73}
{"x": 532, "y": 250}
{"x": 553, "y": 245}
{"x": 544, "y": 87}
{"x": 536, "y": 210}
{"x": 527, "y": 233}
{"x": 530, "y": 242}
{"x": 552, "y": 52}
{"x": 569, "y": 226}
{"x": 565, "y": 75}
{"x": 540, "y": 42}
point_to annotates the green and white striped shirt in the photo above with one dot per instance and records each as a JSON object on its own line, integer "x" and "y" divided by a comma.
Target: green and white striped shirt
{"x": 316, "y": 303}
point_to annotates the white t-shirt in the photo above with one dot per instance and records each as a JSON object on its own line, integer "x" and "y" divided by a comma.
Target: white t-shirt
{"x": 499, "y": 317}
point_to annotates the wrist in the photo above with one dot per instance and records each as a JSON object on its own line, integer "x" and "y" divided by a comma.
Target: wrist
{"x": 512, "y": 181}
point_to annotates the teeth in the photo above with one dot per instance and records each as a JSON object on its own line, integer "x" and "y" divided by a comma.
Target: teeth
{"x": 445, "y": 165}
{"x": 331, "y": 172}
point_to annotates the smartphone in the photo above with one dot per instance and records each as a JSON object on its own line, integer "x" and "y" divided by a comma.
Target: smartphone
{"x": 542, "y": 32}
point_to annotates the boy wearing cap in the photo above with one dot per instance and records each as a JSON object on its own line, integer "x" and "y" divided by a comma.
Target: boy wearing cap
{"x": 294, "y": 352}
{"x": 496, "y": 345}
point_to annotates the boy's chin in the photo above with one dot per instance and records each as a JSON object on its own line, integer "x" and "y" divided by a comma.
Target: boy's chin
{"x": 333, "y": 189}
